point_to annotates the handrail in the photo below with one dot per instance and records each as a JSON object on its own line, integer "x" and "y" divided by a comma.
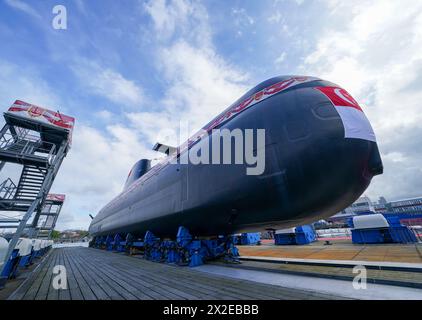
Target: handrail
{"x": 7, "y": 189}
{"x": 26, "y": 144}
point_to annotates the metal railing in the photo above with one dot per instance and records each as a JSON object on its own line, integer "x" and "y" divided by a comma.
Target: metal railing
{"x": 7, "y": 189}
{"x": 26, "y": 144}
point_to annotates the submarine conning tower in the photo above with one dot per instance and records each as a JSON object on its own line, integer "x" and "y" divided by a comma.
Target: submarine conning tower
{"x": 137, "y": 171}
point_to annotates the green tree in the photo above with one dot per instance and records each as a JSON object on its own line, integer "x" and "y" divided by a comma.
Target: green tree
{"x": 55, "y": 234}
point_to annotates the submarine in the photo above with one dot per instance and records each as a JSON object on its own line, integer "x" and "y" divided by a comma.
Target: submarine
{"x": 320, "y": 156}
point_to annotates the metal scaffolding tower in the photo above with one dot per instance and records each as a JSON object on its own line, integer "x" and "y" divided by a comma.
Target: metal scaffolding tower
{"x": 49, "y": 215}
{"x": 47, "y": 218}
{"x": 36, "y": 139}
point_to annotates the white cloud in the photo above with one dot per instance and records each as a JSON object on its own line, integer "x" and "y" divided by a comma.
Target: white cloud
{"x": 200, "y": 85}
{"x": 96, "y": 166}
{"x": 95, "y": 169}
{"x": 395, "y": 157}
{"x": 24, "y": 7}
{"x": 27, "y": 86}
{"x": 166, "y": 16}
{"x": 115, "y": 87}
{"x": 241, "y": 17}
{"x": 376, "y": 54}
{"x": 105, "y": 115}
{"x": 152, "y": 125}
{"x": 109, "y": 84}
{"x": 179, "y": 18}
{"x": 276, "y": 17}
{"x": 200, "y": 82}
{"x": 281, "y": 58}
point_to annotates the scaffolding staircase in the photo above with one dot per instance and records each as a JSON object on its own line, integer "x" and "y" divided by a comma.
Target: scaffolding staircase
{"x": 46, "y": 219}
{"x": 48, "y": 216}
{"x": 31, "y": 182}
{"x": 37, "y": 140}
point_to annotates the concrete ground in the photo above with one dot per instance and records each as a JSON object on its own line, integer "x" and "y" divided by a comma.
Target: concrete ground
{"x": 338, "y": 288}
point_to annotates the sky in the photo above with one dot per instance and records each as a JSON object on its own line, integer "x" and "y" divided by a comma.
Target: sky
{"x": 129, "y": 71}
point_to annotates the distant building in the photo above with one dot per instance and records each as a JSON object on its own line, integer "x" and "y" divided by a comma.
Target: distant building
{"x": 72, "y": 235}
{"x": 409, "y": 206}
{"x": 364, "y": 205}
{"x": 382, "y": 200}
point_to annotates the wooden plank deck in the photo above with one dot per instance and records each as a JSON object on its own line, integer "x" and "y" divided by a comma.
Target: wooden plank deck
{"x": 94, "y": 274}
{"x": 340, "y": 250}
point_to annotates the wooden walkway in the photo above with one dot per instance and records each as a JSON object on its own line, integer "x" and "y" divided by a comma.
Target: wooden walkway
{"x": 340, "y": 250}
{"x": 94, "y": 274}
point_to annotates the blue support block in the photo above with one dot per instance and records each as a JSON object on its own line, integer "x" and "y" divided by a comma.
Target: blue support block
{"x": 196, "y": 260}
{"x": 137, "y": 244}
{"x": 250, "y": 238}
{"x": 37, "y": 254}
{"x": 10, "y": 270}
{"x": 395, "y": 232}
{"x": 284, "y": 238}
{"x": 129, "y": 239}
{"x": 185, "y": 250}
{"x": 152, "y": 247}
{"x": 170, "y": 252}
{"x": 109, "y": 243}
{"x": 95, "y": 243}
{"x": 101, "y": 242}
{"x": 399, "y": 234}
{"x": 305, "y": 234}
{"x": 361, "y": 236}
{"x": 25, "y": 261}
{"x": 233, "y": 252}
{"x": 150, "y": 238}
{"x": 116, "y": 241}
{"x": 132, "y": 243}
{"x": 302, "y": 235}
{"x": 198, "y": 251}
{"x": 173, "y": 256}
{"x": 33, "y": 256}
{"x": 212, "y": 248}
{"x": 119, "y": 244}
{"x": 196, "y": 256}
{"x": 402, "y": 234}
{"x": 183, "y": 237}
{"x": 236, "y": 239}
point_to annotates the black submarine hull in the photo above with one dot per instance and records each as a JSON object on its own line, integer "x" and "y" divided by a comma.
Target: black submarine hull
{"x": 316, "y": 164}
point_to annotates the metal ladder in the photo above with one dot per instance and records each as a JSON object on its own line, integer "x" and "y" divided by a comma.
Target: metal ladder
{"x": 30, "y": 183}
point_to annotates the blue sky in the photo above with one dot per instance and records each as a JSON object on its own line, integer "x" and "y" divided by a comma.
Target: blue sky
{"x": 130, "y": 70}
